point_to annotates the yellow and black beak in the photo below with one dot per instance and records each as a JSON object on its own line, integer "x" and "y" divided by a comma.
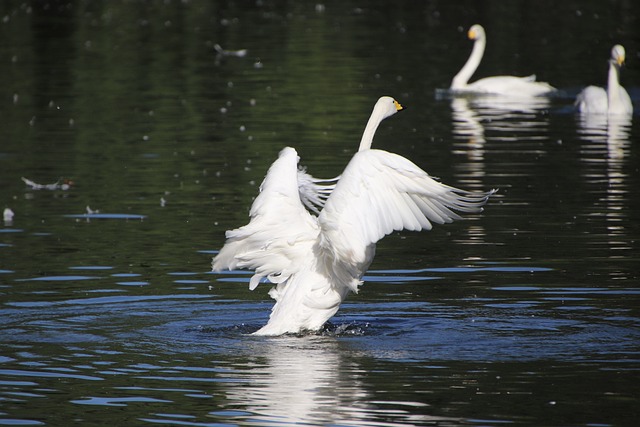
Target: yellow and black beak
{"x": 399, "y": 106}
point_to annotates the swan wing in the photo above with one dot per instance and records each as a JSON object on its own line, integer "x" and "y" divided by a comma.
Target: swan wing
{"x": 380, "y": 192}
{"x": 281, "y": 231}
{"x": 592, "y": 100}
{"x": 314, "y": 192}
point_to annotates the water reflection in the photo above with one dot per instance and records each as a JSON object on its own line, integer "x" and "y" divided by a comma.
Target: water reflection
{"x": 472, "y": 117}
{"x": 467, "y": 124}
{"x": 313, "y": 380}
{"x": 607, "y": 142}
{"x": 478, "y": 121}
{"x": 613, "y": 130}
{"x": 504, "y": 119}
{"x": 300, "y": 381}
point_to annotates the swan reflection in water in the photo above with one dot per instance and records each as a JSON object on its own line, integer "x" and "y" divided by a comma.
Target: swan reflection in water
{"x": 473, "y": 116}
{"x": 504, "y": 118}
{"x": 612, "y": 130}
{"x": 607, "y": 143}
{"x": 480, "y": 118}
{"x": 314, "y": 380}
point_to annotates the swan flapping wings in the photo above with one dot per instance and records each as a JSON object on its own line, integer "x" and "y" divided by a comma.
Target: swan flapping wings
{"x": 316, "y": 260}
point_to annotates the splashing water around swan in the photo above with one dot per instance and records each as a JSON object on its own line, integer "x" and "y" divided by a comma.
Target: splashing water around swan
{"x": 316, "y": 259}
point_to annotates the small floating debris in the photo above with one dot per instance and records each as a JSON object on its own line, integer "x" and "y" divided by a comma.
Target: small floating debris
{"x": 240, "y": 53}
{"x": 96, "y": 214}
{"x": 91, "y": 211}
{"x": 61, "y": 184}
{"x": 7, "y": 216}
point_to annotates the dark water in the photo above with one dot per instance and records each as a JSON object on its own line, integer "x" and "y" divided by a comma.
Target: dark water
{"x": 528, "y": 314}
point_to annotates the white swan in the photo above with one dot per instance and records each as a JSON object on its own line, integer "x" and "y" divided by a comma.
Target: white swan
{"x": 498, "y": 85}
{"x": 315, "y": 261}
{"x": 615, "y": 100}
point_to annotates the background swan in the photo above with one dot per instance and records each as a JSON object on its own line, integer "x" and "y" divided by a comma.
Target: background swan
{"x": 498, "y": 85}
{"x": 316, "y": 261}
{"x": 615, "y": 100}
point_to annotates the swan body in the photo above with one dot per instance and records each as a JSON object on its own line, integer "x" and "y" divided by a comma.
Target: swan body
{"x": 315, "y": 261}
{"x": 497, "y": 85}
{"x": 613, "y": 100}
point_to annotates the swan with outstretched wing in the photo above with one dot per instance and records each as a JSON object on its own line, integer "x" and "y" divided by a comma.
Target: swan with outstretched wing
{"x": 316, "y": 261}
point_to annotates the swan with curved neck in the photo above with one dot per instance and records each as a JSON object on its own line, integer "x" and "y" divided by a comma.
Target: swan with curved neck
{"x": 497, "y": 85}
{"x": 315, "y": 261}
{"x": 615, "y": 100}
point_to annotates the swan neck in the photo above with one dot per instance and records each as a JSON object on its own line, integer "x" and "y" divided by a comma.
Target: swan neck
{"x": 462, "y": 78}
{"x": 369, "y": 131}
{"x": 613, "y": 82}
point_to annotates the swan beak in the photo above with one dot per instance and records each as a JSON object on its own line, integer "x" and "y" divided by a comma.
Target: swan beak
{"x": 472, "y": 35}
{"x": 399, "y": 107}
{"x": 620, "y": 60}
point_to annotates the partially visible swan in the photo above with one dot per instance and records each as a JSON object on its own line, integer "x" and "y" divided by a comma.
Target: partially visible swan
{"x": 498, "y": 85}
{"x": 316, "y": 261}
{"x": 615, "y": 100}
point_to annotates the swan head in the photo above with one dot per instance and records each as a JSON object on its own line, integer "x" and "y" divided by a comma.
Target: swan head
{"x": 618, "y": 54}
{"x": 386, "y": 106}
{"x": 476, "y": 32}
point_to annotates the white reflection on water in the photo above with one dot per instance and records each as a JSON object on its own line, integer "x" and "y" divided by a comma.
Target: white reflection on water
{"x": 472, "y": 117}
{"x": 476, "y": 119}
{"x": 297, "y": 378}
{"x": 612, "y": 130}
{"x": 481, "y": 119}
{"x": 310, "y": 380}
{"x": 607, "y": 144}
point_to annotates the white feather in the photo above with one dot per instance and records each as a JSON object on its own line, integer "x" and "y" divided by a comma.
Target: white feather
{"x": 314, "y": 192}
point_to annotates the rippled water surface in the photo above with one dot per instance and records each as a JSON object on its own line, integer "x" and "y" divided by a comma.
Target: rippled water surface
{"x": 129, "y": 144}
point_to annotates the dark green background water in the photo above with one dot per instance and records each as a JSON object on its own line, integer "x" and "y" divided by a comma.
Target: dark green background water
{"x": 527, "y": 314}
